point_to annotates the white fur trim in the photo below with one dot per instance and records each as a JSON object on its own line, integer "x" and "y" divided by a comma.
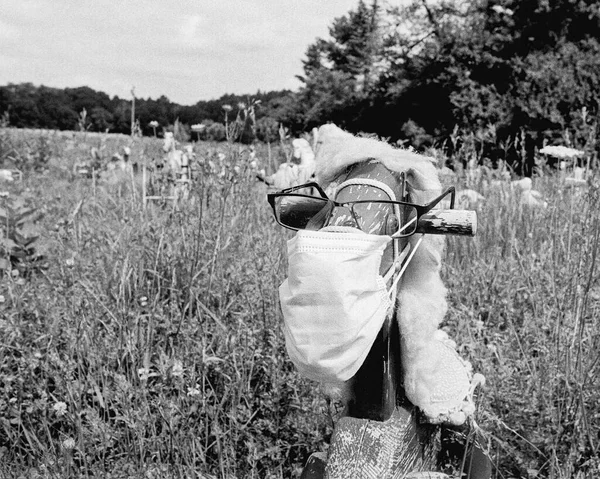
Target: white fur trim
{"x": 421, "y": 295}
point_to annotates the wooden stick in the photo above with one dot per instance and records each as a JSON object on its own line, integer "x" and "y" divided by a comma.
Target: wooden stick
{"x": 448, "y": 222}
{"x": 144, "y": 185}
{"x": 133, "y": 189}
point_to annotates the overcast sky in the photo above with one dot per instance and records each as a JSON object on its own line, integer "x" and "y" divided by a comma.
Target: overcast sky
{"x": 187, "y": 50}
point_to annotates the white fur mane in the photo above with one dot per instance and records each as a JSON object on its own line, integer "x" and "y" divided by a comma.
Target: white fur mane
{"x": 421, "y": 303}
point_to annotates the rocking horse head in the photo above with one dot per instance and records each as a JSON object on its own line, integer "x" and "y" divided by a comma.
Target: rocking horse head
{"x": 356, "y": 263}
{"x": 363, "y": 299}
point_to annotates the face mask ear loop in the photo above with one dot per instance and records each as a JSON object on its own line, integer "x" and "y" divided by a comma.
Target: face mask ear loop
{"x": 406, "y": 263}
{"x": 397, "y": 262}
{"x": 390, "y": 273}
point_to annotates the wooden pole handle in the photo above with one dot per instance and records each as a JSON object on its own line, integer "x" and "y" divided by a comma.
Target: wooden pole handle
{"x": 448, "y": 222}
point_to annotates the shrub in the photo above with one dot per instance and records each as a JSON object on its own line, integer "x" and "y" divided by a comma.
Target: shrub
{"x": 19, "y": 246}
{"x": 267, "y": 129}
{"x": 216, "y": 132}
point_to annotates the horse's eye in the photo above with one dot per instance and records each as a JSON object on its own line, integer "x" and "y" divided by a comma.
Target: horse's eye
{"x": 391, "y": 225}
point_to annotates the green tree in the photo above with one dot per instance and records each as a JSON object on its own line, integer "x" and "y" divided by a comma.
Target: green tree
{"x": 54, "y": 109}
{"x": 101, "y": 119}
{"x": 121, "y": 110}
{"x": 85, "y": 97}
{"x": 21, "y": 103}
{"x": 267, "y": 129}
{"x": 339, "y": 73}
{"x": 525, "y": 66}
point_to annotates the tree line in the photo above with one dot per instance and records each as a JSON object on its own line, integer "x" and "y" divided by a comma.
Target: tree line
{"x": 509, "y": 75}
{"x": 29, "y": 106}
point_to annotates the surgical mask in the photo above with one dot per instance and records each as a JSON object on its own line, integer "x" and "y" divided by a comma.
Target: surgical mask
{"x": 335, "y": 300}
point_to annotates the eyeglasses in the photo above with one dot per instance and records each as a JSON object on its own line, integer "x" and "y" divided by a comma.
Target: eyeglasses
{"x": 308, "y": 207}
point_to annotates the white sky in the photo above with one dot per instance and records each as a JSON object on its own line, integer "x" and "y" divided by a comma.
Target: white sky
{"x": 187, "y": 50}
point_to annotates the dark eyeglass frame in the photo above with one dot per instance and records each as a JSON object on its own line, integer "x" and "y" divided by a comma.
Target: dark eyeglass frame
{"x": 420, "y": 209}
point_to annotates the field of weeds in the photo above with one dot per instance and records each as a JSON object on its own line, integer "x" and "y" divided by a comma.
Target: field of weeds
{"x": 147, "y": 342}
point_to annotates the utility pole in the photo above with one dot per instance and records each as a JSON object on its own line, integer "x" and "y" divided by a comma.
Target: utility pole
{"x": 132, "y": 110}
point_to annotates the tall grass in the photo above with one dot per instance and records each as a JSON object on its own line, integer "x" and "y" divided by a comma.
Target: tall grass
{"x": 525, "y": 298}
{"x": 152, "y": 347}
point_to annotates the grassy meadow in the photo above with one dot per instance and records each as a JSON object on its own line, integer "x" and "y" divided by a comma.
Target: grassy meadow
{"x": 147, "y": 342}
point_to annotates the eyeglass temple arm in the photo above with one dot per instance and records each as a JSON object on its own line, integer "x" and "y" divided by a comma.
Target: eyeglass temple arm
{"x": 312, "y": 184}
{"x": 433, "y": 203}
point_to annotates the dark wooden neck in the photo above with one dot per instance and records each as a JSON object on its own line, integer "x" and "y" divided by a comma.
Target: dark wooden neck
{"x": 376, "y": 388}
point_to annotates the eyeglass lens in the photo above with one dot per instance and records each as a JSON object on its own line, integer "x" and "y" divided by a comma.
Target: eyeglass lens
{"x": 373, "y": 217}
{"x": 377, "y": 217}
{"x": 296, "y": 211}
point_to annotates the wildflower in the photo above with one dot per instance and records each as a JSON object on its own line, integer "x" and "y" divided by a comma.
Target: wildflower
{"x": 177, "y": 368}
{"x": 198, "y": 127}
{"x": 241, "y": 106}
{"x": 145, "y": 373}
{"x": 68, "y": 444}
{"x": 499, "y": 9}
{"x": 560, "y": 151}
{"x": 60, "y": 408}
{"x": 70, "y": 262}
{"x": 2, "y": 298}
{"x": 195, "y": 391}
{"x": 227, "y": 107}
{"x": 153, "y": 124}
